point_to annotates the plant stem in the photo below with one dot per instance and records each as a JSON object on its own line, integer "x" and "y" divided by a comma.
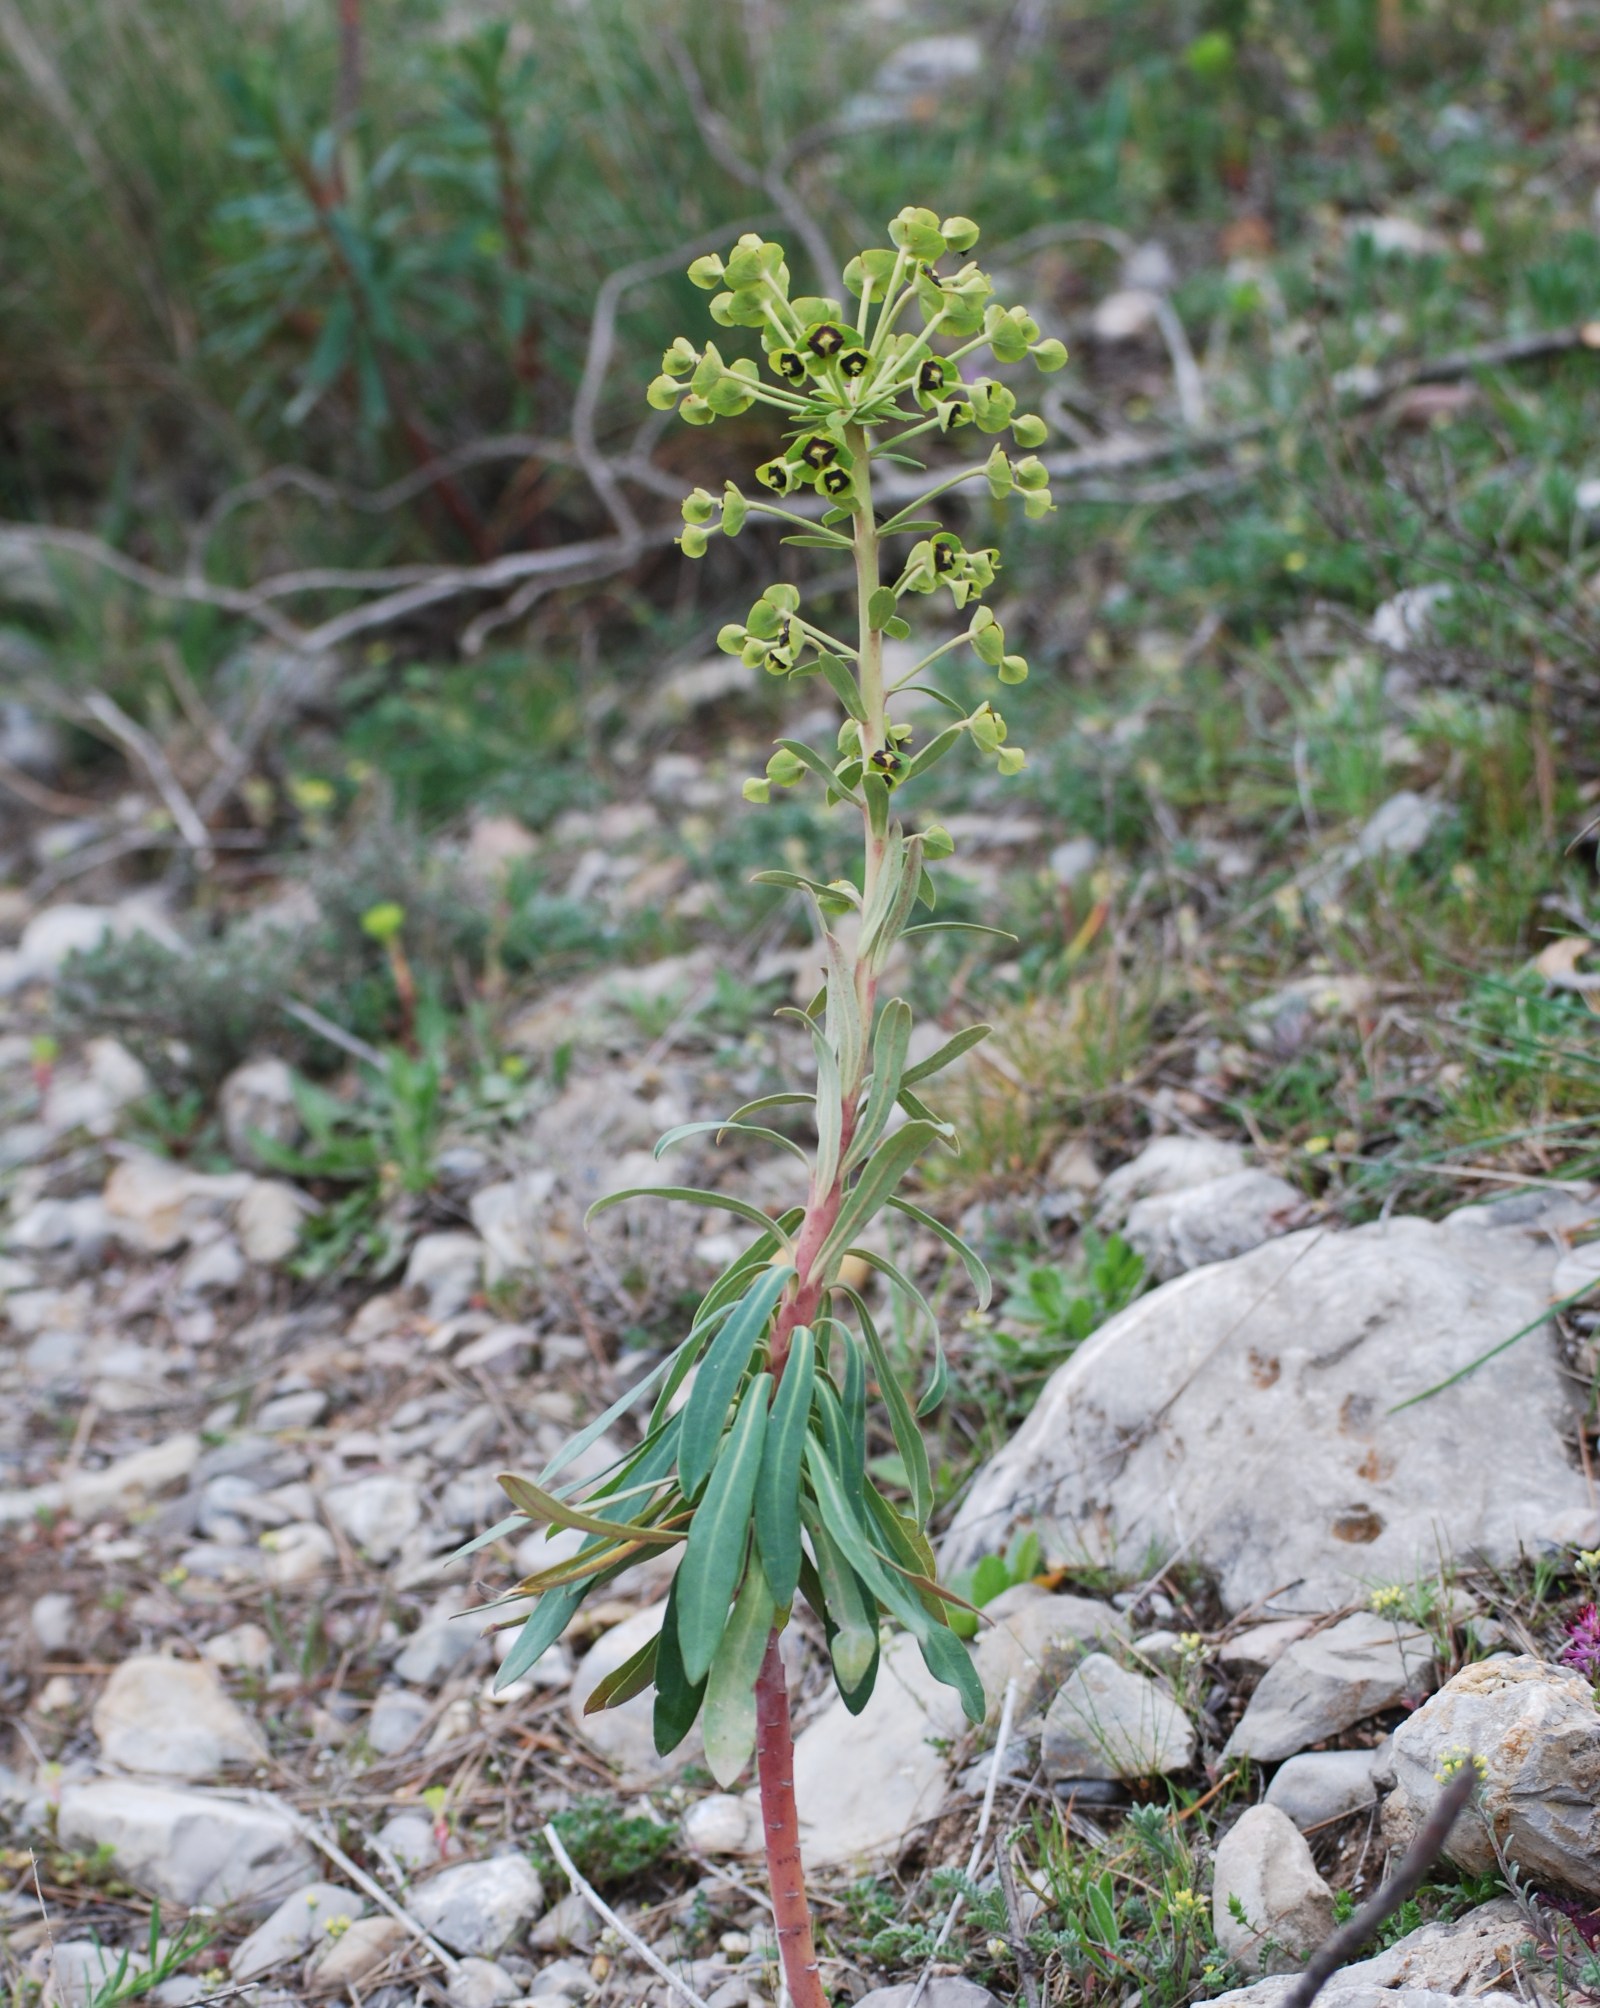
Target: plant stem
{"x": 780, "y": 1823}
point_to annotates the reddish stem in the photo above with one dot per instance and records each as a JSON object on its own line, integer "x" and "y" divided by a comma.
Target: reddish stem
{"x": 780, "y": 1823}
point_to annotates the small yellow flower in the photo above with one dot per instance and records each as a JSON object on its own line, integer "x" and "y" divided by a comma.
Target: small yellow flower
{"x": 1389, "y": 1600}
{"x": 1451, "y": 1762}
{"x": 1191, "y": 1645}
{"x": 1185, "y": 1905}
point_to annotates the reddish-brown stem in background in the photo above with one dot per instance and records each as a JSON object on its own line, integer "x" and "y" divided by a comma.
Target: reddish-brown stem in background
{"x": 780, "y": 1825}
{"x": 349, "y": 102}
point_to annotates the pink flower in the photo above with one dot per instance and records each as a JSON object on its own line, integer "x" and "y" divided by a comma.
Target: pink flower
{"x": 1582, "y": 1648}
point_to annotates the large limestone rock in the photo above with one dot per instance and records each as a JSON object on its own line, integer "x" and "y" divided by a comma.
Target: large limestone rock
{"x": 1432, "y": 1967}
{"x": 863, "y": 1782}
{"x": 173, "y": 1718}
{"x": 1329, "y": 1681}
{"x": 1036, "y": 1639}
{"x": 186, "y": 1847}
{"x": 1177, "y": 1231}
{"x": 1536, "y": 1732}
{"x": 1265, "y": 1862}
{"x": 1110, "y": 1723}
{"x": 1243, "y": 1413}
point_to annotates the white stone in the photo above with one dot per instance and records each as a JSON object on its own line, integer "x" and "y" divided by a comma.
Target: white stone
{"x": 1070, "y": 861}
{"x": 1329, "y": 1681}
{"x": 72, "y": 929}
{"x": 446, "y": 1636}
{"x": 721, "y": 1824}
{"x": 1436, "y": 1966}
{"x": 246, "y": 1646}
{"x": 1036, "y": 1642}
{"x": 1576, "y": 1272}
{"x": 121, "y": 1484}
{"x": 480, "y": 1983}
{"x": 568, "y": 1921}
{"x": 862, "y": 1782}
{"x": 396, "y": 1720}
{"x": 447, "y": 1268}
{"x": 54, "y": 1621}
{"x": 377, "y": 1512}
{"x": 156, "y": 1206}
{"x": 480, "y": 1906}
{"x": 410, "y": 1838}
{"x": 1321, "y": 1785}
{"x": 79, "y": 1968}
{"x": 1259, "y": 1646}
{"x": 930, "y": 64}
{"x": 1125, "y": 315}
{"x": 268, "y": 1220}
{"x": 1170, "y": 1164}
{"x": 1402, "y": 236}
{"x": 1400, "y": 826}
{"x": 82, "y": 1224}
{"x": 625, "y": 1736}
{"x": 257, "y": 1098}
{"x": 173, "y": 1718}
{"x": 296, "y": 1553}
{"x": 1264, "y": 1861}
{"x": 186, "y": 1847}
{"x": 1108, "y": 1722}
{"x": 212, "y": 1269}
{"x": 507, "y": 1217}
{"x": 293, "y": 1928}
{"x": 1536, "y": 1729}
{"x": 945, "y": 1990}
{"x": 93, "y": 1100}
{"x": 356, "y": 1952}
{"x": 1244, "y": 1413}
{"x": 1178, "y": 1231}
{"x": 1400, "y": 623}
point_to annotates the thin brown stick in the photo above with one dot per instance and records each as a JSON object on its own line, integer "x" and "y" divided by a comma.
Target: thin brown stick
{"x": 1424, "y": 1851}
{"x": 1019, "y": 1937}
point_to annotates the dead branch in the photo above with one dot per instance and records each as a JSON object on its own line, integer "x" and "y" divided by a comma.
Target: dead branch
{"x": 1424, "y": 1851}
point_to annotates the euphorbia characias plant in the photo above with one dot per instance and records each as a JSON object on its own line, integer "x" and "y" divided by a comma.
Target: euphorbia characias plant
{"x": 760, "y": 1474}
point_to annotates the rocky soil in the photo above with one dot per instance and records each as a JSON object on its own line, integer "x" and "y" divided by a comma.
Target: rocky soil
{"x": 246, "y": 1686}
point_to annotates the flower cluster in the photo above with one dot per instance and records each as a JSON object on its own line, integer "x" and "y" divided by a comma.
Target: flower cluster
{"x": 1582, "y": 1648}
{"x": 1453, "y": 1762}
{"x": 1390, "y": 1601}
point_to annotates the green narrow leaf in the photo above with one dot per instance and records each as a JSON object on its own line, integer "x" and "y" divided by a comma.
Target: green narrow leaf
{"x": 693, "y": 1197}
{"x": 592, "y": 1432}
{"x": 678, "y": 1697}
{"x": 854, "y": 1698}
{"x": 513, "y": 1523}
{"x": 777, "y": 1501}
{"x": 901, "y": 1281}
{"x": 853, "y": 1406}
{"x": 881, "y": 1173}
{"x": 955, "y": 927}
{"x": 843, "y": 685}
{"x": 842, "y": 1012}
{"x": 975, "y": 1267}
{"x": 546, "y": 1622}
{"x": 902, "y": 1423}
{"x": 938, "y": 1382}
{"x": 881, "y": 604}
{"x": 875, "y": 951}
{"x": 848, "y": 1607}
{"x": 720, "y": 1534}
{"x": 829, "y": 1112}
{"x": 729, "y": 1128}
{"x": 876, "y": 791}
{"x": 841, "y": 1522}
{"x": 948, "y": 1660}
{"x": 952, "y": 1049}
{"x": 927, "y": 891}
{"x": 890, "y": 1044}
{"x": 837, "y": 1434}
{"x": 821, "y": 769}
{"x": 541, "y": 1505}
{"x": 721, "y": 1370}
{"x": 624, "y": 1682}
{"x": 819, "y": 540}
{"x": 729, "y": 1725}
{"x": 785, "y": 1101}
{"x": 929, "y": 756}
